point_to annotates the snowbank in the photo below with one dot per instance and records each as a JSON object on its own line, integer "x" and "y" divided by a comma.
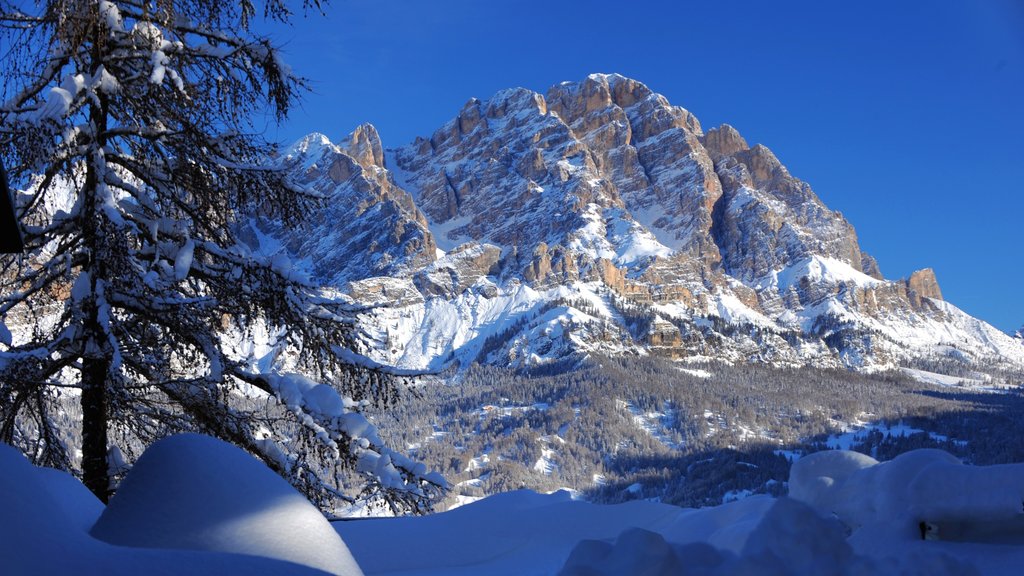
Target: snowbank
{"x": 41, "y": 532}
{"x": 848, "y": 515}
{"x": 194, "y": 505}
{"x": 197, "y": 493}
{"x": 81, "y": 506}
{"x": 921, "y": 500}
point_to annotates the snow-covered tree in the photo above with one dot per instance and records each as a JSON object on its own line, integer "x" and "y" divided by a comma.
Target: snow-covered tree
{"x": 128, "y": 127}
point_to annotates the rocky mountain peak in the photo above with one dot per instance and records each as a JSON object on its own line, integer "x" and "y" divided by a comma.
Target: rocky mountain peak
{"x": 312, "y": 145}
{"x": 762, "y": 164}
{"x": 364, "y": 146}
{"x": 724, "y": 141}
{"x": 923, "y": 284}
{"x": 603, "y": 97}
{"x": 515, "y": 102}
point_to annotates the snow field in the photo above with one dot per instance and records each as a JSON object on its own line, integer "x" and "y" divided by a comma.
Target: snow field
{"x": 847, "y": 514}
{"x": 196, "y": 505}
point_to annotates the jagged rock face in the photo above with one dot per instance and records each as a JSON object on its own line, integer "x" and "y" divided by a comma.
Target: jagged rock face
{"x": 601, "y": 217}
{"x": 367, "y": 225}
{"x": 767, "y": 219}
{"x": 459, "y": 270}
{"x": 650, "y": 151}
{"x": 603, "y": 169}
{"x": 922, "y": 284}
{"x": 489, "y": 174}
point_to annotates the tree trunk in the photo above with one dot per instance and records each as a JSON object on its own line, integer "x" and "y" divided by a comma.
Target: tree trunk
{"x": 95, "y": 356}
{"x": 95, "y": 472}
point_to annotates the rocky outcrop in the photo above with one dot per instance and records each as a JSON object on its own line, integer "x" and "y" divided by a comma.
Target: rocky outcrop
{"x": 366, "y": 225}
{"x": 459, "y": 270}
{"x": 724, "y": 141}
{"x": 922, "y": 284}
{"x": 767, "y": 219}
{"x": 385, "y": 291}
{"x": 363, "y": 145}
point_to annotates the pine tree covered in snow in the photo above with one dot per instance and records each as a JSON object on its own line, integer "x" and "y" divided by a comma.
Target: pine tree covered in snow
{"x": 127, "y": 126}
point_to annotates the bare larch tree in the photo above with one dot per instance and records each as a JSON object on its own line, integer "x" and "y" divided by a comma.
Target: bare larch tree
{"x": 128, "y": 128}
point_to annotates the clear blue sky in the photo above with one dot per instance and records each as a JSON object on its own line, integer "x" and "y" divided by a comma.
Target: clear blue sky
{"x": 908, "y": 117}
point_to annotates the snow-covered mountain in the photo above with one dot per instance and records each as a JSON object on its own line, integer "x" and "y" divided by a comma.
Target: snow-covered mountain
{"x": 533, "y": 228}
{"x": 369, "y": 226}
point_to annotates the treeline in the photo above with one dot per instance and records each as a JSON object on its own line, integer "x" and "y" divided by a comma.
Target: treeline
{"x": 629, "y": 427}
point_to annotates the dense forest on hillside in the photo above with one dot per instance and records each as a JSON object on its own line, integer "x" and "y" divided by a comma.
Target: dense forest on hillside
{"x": 625, "y": 428}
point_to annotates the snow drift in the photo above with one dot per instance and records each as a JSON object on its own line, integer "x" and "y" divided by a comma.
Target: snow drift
{"x": 44, "y": 530}
{"x": 198, "y": 506}
{"x": 198, "y": 493}
{"x": 847, "y": 514}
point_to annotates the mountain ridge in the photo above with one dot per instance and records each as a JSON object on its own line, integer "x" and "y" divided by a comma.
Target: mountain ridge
{"x": 531, "y": 228}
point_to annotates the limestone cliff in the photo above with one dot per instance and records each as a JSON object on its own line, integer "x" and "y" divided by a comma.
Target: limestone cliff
{"x": 600, "y": 216}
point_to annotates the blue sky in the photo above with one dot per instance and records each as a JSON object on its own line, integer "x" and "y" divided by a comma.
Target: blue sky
{"x": 907, "y": 117}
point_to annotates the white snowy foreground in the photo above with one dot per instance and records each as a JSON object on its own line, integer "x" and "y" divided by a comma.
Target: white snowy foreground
{"x": 194, "y": 505}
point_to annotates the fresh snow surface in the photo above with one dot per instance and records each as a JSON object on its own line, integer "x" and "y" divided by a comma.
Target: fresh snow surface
{"x": 442, "y": 233}
{"x": 818, "y": 270}
{"x": 936, "y": 379}
{"x": 848, "y": 514}
{"x": 196, "y": 493}
{"x": 81, "y": 506}
{"x": 310, "y": 150}
{"x": 609, "y": 233}
{"x": 423, "y": 335}
{"x": 194, "y": 505}
{"x": 729, "y": 308}
{"x": 696, "y": 372}
{"x": 44, "y": 530}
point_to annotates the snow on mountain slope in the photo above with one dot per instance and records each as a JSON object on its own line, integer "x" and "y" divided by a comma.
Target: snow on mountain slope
{"x": 367, "y": 225}
{"x": 680, "y": 242}
{"x": 817, "y": 270}
{"x": 513, "y": 323}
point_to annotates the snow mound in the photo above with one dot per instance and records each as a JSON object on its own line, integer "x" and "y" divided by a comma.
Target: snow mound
{"x": 921, "y": 514}
{"x": 639, "y": 552}
{"x": 792, "y": 539}
{"x": 41, "y": 532}
{"x": 198, "y": 493}
{"x": 726, "y": 527}
{"x": 81, "y": 506}
{"x": 812, "y": 477}
{"x": 29, "y": 516}
{"x": 910, "y": 497}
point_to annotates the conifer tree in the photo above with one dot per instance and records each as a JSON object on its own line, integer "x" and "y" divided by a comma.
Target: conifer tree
{"x": 128, "y": 127}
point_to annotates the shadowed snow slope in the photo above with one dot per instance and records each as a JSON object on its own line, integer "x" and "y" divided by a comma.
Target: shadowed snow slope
{"x": 849, "y": 515}
{"x": 195, "y": 492}
{"x": 41, "y": 533}
{"x": 923, "y": 513}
